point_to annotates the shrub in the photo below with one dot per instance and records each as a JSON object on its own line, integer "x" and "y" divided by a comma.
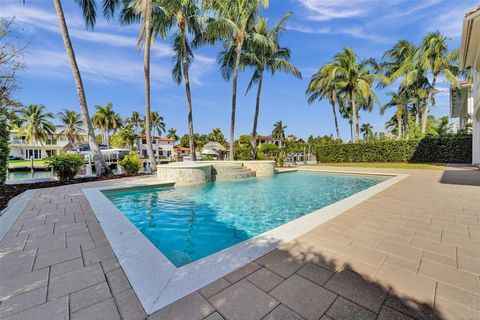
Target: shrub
{"x": 440, "y": 150}
{"x": 131, "y": 163}
{"x": 4, "y": 150}
{"x": 65, "y": 166}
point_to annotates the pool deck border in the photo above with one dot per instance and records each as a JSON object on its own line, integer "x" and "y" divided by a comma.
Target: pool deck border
{"x": 158, "y": 283}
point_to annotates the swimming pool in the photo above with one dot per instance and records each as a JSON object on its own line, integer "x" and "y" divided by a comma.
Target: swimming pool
{"x": 189, "y": 223}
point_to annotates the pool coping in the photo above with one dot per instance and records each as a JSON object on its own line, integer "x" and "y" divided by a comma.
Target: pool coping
{"x": 158, "y": 283}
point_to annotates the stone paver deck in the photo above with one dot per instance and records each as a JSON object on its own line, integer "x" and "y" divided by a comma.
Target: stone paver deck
{"x": 409, "y": 252}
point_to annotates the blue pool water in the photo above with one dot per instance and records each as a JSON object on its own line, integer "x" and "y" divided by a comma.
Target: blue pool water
{"x": 189, "y": 223}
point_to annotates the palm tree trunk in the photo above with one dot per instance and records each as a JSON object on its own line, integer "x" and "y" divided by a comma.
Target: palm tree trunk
{"x": 100, "y": 165}
{"x": 427, "y": 104}
{"x": 405, "y": 122}
{"x": 146, "y": 68}
{"x": 186, "y": 79}
{"x": 417, "y": 114}
{"x": 255, "y": 118}
{"x": 234, "y": 99}
{"x": 399, "y": 127}
{"x": 351, "y": 130}
{"x": 355, "y": 120}
{"x": 336, "y": 120}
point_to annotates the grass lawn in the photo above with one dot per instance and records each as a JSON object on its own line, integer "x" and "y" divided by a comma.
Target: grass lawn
{"x": 25, "y": 163}
{"x": 388, "y": 165}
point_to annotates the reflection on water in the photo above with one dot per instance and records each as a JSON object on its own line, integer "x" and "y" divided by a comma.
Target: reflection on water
{"x": 20, "y": 175}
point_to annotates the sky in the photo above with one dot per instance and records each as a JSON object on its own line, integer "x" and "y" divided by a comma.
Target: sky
{"x": 112, "y": 68}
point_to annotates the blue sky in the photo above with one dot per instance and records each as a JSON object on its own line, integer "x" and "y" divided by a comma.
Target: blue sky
{"x": 112, "y": 69}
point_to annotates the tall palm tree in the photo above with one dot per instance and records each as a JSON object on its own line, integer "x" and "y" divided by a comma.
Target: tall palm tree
{"x": 354, "y": 81}
{"x": 433, "y": 57}
{"x": 187, "y": 16}
{"x": 172, "y": 134}
{"x": 37, "y": 126}
{"x": 157, "y": 123}
{"x": 269, "y": 57}
{"x": 322, "y": 86}
{"x": 232, "y": 24}
{"x": 279, "y": 133}
{"x": 88, "y": 10}
{"x": 106, "y": 120}
{"x": 153, "y": 17}
{"x": 367, "y": 130}
{"x": 71, "y": 125}
{"x": 398, "y": 100}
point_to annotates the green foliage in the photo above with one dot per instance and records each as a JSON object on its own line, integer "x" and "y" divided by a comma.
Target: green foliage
{"x": 268, "y": 151}
{"x": 131, "y": 163}
{"x": 438, "y": 150}
{"x": 4, "y": 150}
{"x": 208, "y": 158}
{"x": 65, "y": 166}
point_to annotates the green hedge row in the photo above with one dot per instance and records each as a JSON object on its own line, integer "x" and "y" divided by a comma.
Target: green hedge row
{"x": 440, "y": 150}
{"x": 4, "y": 150}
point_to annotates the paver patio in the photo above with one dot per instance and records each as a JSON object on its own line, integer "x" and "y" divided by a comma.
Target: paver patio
{"x": 411, "y": 251}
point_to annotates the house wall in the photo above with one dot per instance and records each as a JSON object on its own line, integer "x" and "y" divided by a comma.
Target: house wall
{"x": 20, "y": 147}
{"x": 161, "y": 148}
{"x": 476, "y": 112}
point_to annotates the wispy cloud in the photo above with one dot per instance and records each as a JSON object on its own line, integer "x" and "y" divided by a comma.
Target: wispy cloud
{"x": 358, "y": 32}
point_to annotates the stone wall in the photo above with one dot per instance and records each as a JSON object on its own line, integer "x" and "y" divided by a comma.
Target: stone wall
{"x": 188, "y": 174}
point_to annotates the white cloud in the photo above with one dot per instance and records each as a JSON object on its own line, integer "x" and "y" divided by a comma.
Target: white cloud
{"x": 358, "y": 32}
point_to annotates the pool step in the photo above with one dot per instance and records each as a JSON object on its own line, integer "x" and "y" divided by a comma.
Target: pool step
{"x": 227, "y": 172}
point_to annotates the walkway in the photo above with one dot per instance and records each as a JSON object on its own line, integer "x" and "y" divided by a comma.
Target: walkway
{"x": 411, "y": 251}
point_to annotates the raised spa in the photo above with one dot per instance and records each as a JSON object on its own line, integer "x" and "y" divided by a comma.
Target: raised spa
{"x": 189, "y": 223}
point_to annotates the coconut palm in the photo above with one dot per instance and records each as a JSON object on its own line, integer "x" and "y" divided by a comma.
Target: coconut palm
{"x": 217, "y": 136}
{"x": 71, "y": 125}
{"x": 269, "y": 57}
{"x": 433, "y": 57}
{"x": 354, "y": 81}
{"x": 398, "y": 100}
{"x": 135, "y": 121}
{"x": 37, "y": 126}
{"x": 88, "y": 10}
{"x": 233, "y": 22}
{"x": 154, "y": 21}
{"x": 367, "y": 130}
{"x": 157, "y": 123}
{"x": 278, "y": 133}
{"x": 106, "y": 120}
{"x": 188, "y": 21}
{"x": 172, "y": 134}
{"x": 322, "y": 86}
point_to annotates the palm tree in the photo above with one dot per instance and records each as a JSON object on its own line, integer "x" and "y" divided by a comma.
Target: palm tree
{"x": 157, "y": 123}
{"x": 367, "y": 130}
{"x": 135, "y": 121}
{"x": 233, "y": 23}
{"x": 322, "y": 86}
{"x": 72, "y": 126}
{"x": 187, "y": 16}
{"x": 106, "y": 120}
{"x": 279, "y": 133}
{"x": 172, "y": 134}
{"x": 37, "y": 126}
{"x": 398, "y": 100}
{"x": 88, "y": 10}
{"x": 433, "y": 57}
{"x": 262, "y": 57}
{"x": 217, "y": 136}
{"x": 354, "y": 81}
{"x": 442, "y": 126}
{"x": 153, "y": 18}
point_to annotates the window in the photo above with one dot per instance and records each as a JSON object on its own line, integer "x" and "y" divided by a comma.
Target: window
{"x": 144, "y": 141}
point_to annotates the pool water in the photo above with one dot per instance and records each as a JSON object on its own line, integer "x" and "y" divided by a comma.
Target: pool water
{"x": 189, "y": 223}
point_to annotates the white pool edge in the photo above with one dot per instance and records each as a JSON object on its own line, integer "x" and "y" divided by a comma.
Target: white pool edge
{"x": 158, "y": 283}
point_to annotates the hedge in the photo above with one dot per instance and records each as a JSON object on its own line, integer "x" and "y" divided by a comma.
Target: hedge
{"x": 4, "y": 150}
{"x": 438, "y": 150}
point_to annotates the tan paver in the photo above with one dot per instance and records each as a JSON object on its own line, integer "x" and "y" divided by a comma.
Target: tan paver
{"x": 419, "y": 240}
